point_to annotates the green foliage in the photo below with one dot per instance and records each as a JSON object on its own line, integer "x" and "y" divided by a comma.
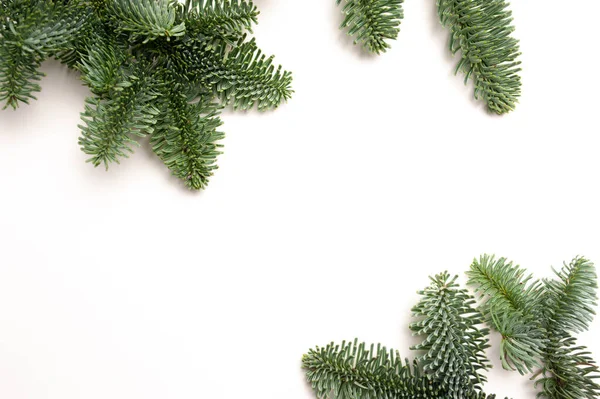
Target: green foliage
{"x": 481, "y": 30}
{"x": 155, "y": 68}
{"x": 353, "y": 371}
{"x": 372, "y": 22}
{"x": 127, "y": 111}
{"x": 186, "y": 138}
{"x": 30, "y": 32}
{"x": 569, "y": 371}
{"x": 453, "y": 344}
{"x": 146, "y": 19}
{"x": 570, "y": 300}
{"x": 450, "y": 367}
{"x": 537, "y": 320}
{"x": 246, "y": 78}
{"x": 226, "y": 19}
{"x": 512, "y": 299}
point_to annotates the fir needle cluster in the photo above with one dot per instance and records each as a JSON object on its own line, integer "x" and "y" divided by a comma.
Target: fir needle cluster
{"x": 372, "y": 22}
{"x": 536, "y": 318}
{"x": 160, "y": 69}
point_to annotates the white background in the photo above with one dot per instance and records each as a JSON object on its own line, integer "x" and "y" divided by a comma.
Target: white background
{"x": 323, "y": 220}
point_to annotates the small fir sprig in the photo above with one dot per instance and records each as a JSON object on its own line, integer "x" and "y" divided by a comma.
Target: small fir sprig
{"x": 453, "y": 341}
{"x": 156, "y": 68}
{"x": 357, "y": 371}
{"x": 372, "y": 23}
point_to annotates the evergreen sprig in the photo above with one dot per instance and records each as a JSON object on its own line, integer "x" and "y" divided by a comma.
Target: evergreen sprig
{"x": 453, "y": 343}
{"x": 372, "y": 22}
{"x": 539, "y": 318}
{"x": 356, "y": 371}
{"x": 513, "y": 300}
{"x": 481, "y": 30}
{"x": 155, "y": 68}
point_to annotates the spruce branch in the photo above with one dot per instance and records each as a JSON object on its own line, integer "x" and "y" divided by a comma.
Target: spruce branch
{"x": 510, "y": 303}
{"x": 372, "y": 22}
{"x": 481, "y": 30}
{"x": 453, "y": 343}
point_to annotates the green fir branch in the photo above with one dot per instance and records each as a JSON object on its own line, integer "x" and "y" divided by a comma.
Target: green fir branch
{"x": 31, "y": 32}
{"x": 569, "y": 371}
{"x": 453, "y": 343}
{"x": 110, "y": 123}
{"x": 146, "y": 19}
{"x": 510, "y": 302}
{"x": 481, "y": 30}
{"x": 186, "y": 136}
{"x": 571, "y": 298}
{"x": 242, "y": 76}
{"x": 372, "y": 22}
{"x": 227, "y": 19}
{"x": 356, "y": 371}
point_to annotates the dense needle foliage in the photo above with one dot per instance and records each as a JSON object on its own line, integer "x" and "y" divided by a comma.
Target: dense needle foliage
{"x": 372, "y": 22}
{"x": 535, "y": 318}
{"x": 481, "y": 30}
{"x": 161, "y": 69}
{"x": 453, "y": 343}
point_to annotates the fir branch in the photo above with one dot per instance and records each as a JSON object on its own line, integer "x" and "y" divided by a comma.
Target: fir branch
{"x": 354, "y": 371}
{"x": 146, "y": 19}
{"x": 186, "y": 137}
{"x": 242, "y": 76}
{"x": 31, "y": 32}
{"x": 111, "y": 123}
{"x": 372, "y": 22}
{"x": 571, "y": 299}
{"x": 510, "y": 303}
{"x": 101, "y": 65}
{"x": 249, "y": 78}
{"x": 453, "y": 343}
{"x": 18, "y": 75}
{"x": 481, "y": 30}
{"x": 569, "y": 371}
{"x": 225, "y": 18}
